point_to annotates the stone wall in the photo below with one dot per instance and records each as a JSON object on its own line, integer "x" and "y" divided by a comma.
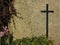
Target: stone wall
{"x": 31, "y": 22}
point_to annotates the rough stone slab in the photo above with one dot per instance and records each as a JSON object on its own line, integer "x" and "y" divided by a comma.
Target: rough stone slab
{"x": 33, "y": 22}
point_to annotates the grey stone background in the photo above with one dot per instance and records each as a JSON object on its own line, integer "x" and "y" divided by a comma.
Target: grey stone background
{"x": 32, "y": 22}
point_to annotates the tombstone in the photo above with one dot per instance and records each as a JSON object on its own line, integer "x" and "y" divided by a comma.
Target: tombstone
{"x": 31, "y": 22}
{"x": 28, "y": 22}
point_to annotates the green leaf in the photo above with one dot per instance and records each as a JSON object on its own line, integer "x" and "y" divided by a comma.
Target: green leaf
{"x": 9, "y": 39}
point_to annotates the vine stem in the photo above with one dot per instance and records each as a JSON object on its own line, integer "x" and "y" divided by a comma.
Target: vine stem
{"x": 0, "y": 40}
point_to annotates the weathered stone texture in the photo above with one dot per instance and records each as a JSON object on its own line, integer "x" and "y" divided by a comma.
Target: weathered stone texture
{"x": 32, "y": 22}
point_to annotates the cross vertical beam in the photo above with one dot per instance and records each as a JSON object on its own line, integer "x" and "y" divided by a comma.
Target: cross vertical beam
{"x": 47, "y": 13}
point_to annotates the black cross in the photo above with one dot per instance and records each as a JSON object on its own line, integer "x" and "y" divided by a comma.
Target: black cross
{"x": 47, "y": 12}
